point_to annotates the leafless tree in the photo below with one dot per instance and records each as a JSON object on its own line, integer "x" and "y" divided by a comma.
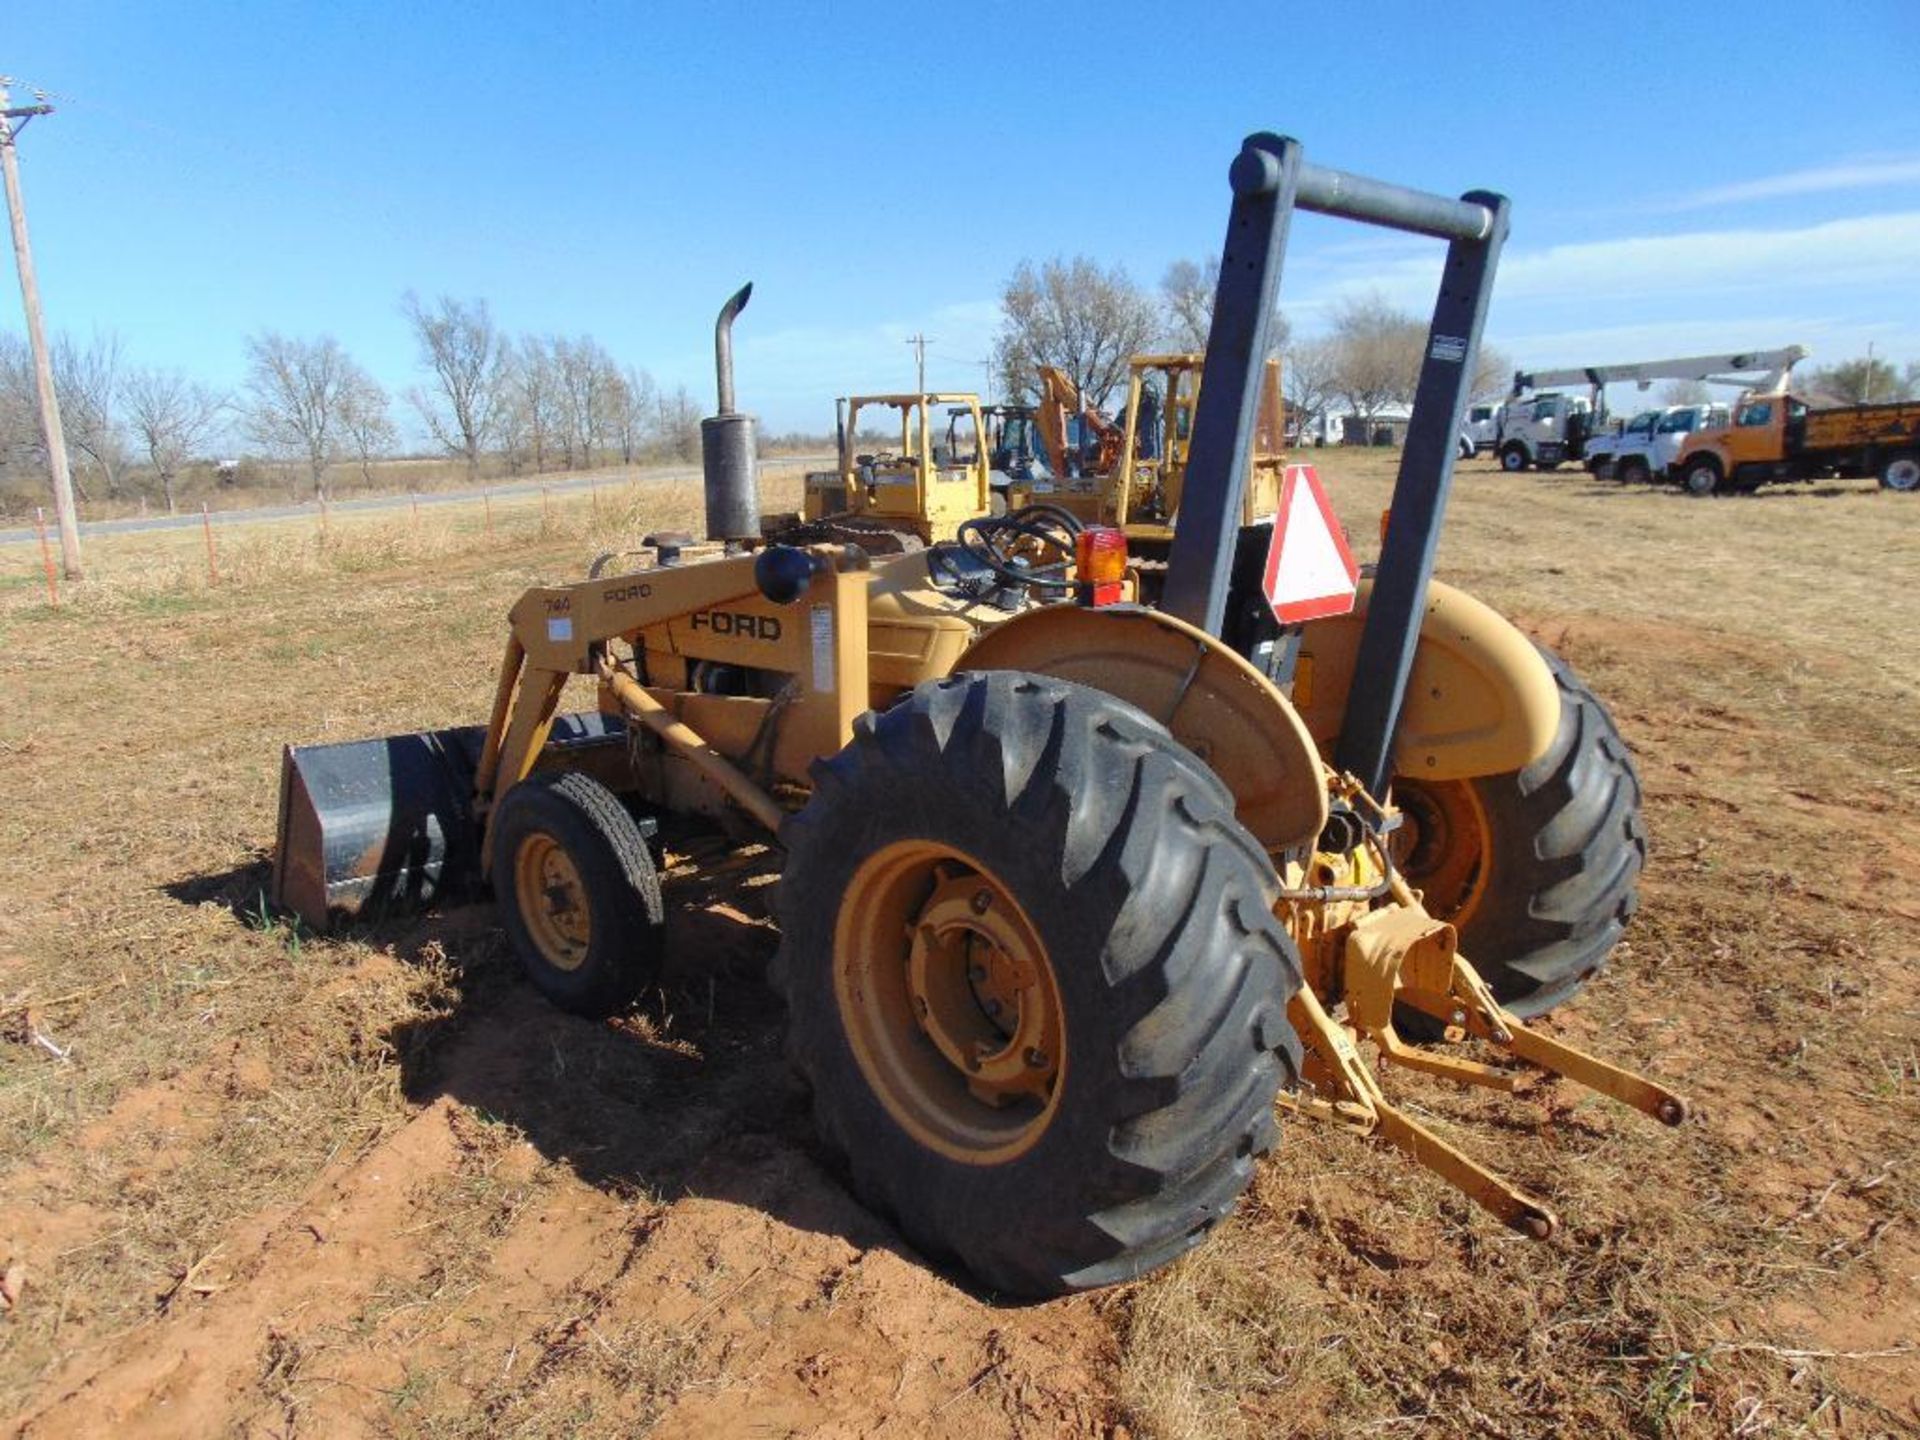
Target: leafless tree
{"x": 1072, "y": 313}
{"x": 366, "y": 420}
{"x": 677, "y": 432}
{"x": 1309, "y": 378}
{"x": 459, "y": 344}
{"x": 1860, "y": 382}
{"x": 1684, "y": 392}
{"x": 1378, "y": 350}
{"x": 87, "y": 381}
{"x": 1186, "y": 295}
{"x": 296, "y": 393}
{"x": 22, "y": 448}
{"x": 635, "y": 406}
{"x": 172, "y": 416}
{"x": 1492, "y": 374}
{"x": 586, "y": 375}
{"x": 533, "y": 410}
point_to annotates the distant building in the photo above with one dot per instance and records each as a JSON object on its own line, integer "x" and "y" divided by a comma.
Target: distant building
{"x": 1341, "y": 426}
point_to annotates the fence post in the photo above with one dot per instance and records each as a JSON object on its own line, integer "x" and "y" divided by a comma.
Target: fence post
{"x": 486, "y": 498}
{"x": 213, "y": 558}
{"x": 46, "y": 557}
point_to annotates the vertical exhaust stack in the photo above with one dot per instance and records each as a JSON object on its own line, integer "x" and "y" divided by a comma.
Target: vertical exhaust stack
{"x": 727, "y": 444}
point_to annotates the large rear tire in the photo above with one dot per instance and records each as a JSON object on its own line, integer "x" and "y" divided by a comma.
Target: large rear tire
{"x": 577, "y": 892}
{"x": 1538, "y": 868}
{"x": 1035, "y": 980}
{"x": 1900, "y": 472}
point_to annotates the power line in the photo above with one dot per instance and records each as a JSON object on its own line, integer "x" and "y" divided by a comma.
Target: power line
{"x": 920, "y": 343}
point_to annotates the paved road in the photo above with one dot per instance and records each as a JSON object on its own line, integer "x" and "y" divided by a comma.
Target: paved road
{"x": 308, "y": 511}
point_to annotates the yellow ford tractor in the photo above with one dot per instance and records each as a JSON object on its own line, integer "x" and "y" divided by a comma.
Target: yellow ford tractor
{"x": 1079, "y": 893}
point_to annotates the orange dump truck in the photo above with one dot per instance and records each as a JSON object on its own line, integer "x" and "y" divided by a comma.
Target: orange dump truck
{"x": 1781, "y": 437}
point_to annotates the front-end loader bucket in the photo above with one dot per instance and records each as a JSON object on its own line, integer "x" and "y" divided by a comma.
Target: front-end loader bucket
{"x": 375, "y": 827}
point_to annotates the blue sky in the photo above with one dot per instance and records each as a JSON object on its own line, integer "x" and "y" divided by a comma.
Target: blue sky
{"x": 1723, "y": 178}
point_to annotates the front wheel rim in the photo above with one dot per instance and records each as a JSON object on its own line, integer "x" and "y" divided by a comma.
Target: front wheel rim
{"x": 552, "y": 900}
{"x": 1903, "y": 475}
{"x": 949, "y": 1001}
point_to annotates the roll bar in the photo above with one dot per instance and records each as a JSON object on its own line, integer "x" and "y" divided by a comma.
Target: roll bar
{"x": 1271, "y": 179}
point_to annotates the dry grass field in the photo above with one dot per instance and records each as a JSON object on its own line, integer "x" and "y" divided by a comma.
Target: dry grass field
{"x": 255, "y": 1182}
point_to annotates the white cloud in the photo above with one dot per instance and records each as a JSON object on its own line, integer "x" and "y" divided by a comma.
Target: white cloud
{"x": 1863, "y": 250}
{"x": 1828, "y": 337}
{"x": 1867, "y": 250}
{"x": 1853, "y": 175}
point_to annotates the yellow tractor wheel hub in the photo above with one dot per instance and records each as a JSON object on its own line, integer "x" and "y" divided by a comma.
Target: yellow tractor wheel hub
{"x": 552, "y": 899}
{"x": 949, "y": 1001}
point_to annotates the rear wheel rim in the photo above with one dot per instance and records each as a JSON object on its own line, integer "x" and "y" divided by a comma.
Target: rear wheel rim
{"x": 552, "y": 900}
{"x": 949, "y": 1001}
{"x": 1443, "y": 846}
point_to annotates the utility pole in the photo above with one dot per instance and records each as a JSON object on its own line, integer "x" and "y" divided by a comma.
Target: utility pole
{"x": 13, "y": 119}
{"x": 920, "y": 343}
{"x": 1866, "y": 385}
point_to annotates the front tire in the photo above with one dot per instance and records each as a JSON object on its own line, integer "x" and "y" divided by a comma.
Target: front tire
{"x": 577, "y": 892}
{"x": 1702, "y": 477}
{"x": 1035, "y": 981}
{"x": 1633, "y": 471}
{"x": 1513, "y": 459}
{"x": 1538, "y": 868}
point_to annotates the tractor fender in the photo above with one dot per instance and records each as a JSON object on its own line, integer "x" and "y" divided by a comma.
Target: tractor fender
{"x": 1480, "y": 701}
{"x": 1209, "y": 698}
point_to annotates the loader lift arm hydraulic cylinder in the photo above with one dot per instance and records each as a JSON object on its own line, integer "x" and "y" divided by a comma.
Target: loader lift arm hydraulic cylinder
{"x": 1270, "y": 180}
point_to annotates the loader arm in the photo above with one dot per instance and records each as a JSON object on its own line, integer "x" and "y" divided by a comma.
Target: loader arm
{"x": 807, "y": 622}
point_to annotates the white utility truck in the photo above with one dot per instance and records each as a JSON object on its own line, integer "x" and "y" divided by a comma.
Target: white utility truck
{"x": 1540, "y": 427}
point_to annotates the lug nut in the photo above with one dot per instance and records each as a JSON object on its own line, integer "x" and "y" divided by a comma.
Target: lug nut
{"x": 1036, "y": 1058}
{"x": 982, "y": 901}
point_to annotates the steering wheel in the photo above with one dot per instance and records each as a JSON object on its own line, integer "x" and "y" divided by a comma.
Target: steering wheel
{"x": 1013, "y": 547}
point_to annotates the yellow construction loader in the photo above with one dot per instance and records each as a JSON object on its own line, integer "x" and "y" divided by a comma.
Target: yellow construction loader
{"x": 898, "y": 495}
{"x": 1076, "y": 899}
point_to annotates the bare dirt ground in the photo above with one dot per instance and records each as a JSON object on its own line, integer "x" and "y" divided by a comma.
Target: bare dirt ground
{"x": 255, "y": 1182}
